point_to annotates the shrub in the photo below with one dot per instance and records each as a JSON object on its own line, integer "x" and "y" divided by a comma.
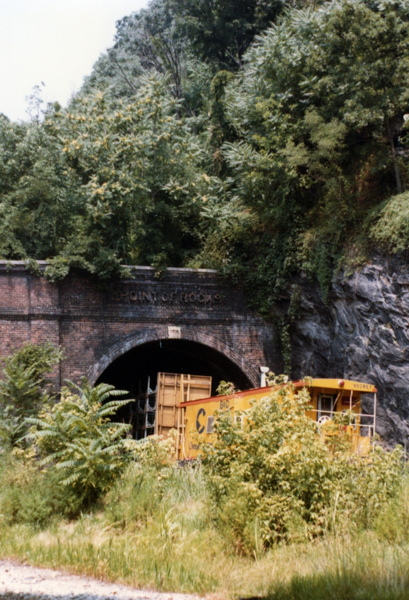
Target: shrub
{"x": 274, "y": 476}
{"x": 32, "y": 495}
{"x": 392, "y": 228}
{"x": 24, "y": 389}
{"x": 392, "y": 524}
{"x": 154, "y": 484}
{"x": 139, "y": 493}
{"x": 77, "y": 439}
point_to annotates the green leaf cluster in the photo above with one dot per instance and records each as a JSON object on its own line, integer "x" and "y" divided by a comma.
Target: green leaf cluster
{"x": 220, "y": 32}
{"x": 391, "y": 229}
{"x": 31, "y": 495}
{"x": 37, "y": 194}
{"x": 80, "y": 442}
{"x": 25, "y": 389}
{"x": 319, "y": 110}
{"x": 275, "y": 475}
{"x": 140, "y": 179}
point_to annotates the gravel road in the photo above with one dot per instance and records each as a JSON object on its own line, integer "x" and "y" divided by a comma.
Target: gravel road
{"x": 22, "y": 582}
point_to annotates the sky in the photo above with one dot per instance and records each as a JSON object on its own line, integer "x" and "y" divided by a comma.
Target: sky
{"x": 55, "y": 43}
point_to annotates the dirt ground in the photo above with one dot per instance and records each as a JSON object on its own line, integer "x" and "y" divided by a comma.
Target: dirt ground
{"x": 19, "y": 581}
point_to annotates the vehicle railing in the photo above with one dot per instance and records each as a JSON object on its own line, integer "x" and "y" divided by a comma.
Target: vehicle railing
{"x": 366, "y": 422}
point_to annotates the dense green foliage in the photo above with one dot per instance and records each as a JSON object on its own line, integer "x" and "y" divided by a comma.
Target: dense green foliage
{"x": 139, "y": 167}
{"x": 58, "y": 457}
{"x": 25, "y": 390}
{"x": 37, "y": 194}
{"x": 274, "y": 475}
{"x": 79, "y": 441}
{"x": 275, "y": 486}
{"x": 392, "y": 228}
{"x": 271, "y": 474}
{"x": 31, "y": 495}
{"x": 270, "y": 512}
{"x": 322, "y": 96}
{"x": 220, "y": 32}
{"x": 258, "y": 138}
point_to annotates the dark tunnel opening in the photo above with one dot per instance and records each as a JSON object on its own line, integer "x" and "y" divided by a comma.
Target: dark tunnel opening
{"x": 132, "y": 370}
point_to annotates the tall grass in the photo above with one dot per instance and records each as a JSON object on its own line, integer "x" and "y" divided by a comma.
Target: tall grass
{"x": 156, "y": 532}
{"x": 361, "y": 570}
{"x": 337, "y": 569}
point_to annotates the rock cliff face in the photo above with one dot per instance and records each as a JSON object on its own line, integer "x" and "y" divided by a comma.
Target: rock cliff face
{"x": 361, "y": 333}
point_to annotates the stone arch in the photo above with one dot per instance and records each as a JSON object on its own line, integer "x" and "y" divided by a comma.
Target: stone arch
{"x": 138, "y": 338}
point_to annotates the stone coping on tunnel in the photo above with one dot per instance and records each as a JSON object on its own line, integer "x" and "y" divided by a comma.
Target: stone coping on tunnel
{"x": 182, "y": 294}
{"x": 42, "y": 265}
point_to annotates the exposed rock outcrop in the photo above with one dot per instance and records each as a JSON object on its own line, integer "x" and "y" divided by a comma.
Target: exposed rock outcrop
{"x": 361, "y": 333}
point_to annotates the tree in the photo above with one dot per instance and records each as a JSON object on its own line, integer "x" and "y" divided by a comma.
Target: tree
{"x": 146, "y": 43}
{"x": 319, "y": 111}
{"x": 140, "y": 176}
{"x": 221, "y": 31}
{"x": 150, "y": 37}
{"x": 37, "y": 192}
{"x": 325, "y": 82}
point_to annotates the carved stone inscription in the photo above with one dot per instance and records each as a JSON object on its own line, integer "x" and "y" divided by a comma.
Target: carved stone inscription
{"x": 175, "y": 297}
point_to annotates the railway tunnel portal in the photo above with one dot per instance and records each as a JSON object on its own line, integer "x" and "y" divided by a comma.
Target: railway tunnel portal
{"x": 122, "y": 333}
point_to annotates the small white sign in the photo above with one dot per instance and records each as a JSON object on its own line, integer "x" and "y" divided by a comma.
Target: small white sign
{"x": 174, "y": 333}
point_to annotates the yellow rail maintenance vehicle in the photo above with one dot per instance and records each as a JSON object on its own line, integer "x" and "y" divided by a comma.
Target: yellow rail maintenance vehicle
{"x": 182, "y": 402}
{"x": 328, "y": 396}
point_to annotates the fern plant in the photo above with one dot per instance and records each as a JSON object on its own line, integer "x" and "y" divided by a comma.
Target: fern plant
{"x": 77, "y": 438}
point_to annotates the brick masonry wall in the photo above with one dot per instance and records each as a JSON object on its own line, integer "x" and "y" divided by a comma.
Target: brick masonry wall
{"x": 96, "y": 325}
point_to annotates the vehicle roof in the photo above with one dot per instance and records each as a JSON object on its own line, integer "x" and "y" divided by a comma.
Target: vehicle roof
{"x": 324, "y": 384}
